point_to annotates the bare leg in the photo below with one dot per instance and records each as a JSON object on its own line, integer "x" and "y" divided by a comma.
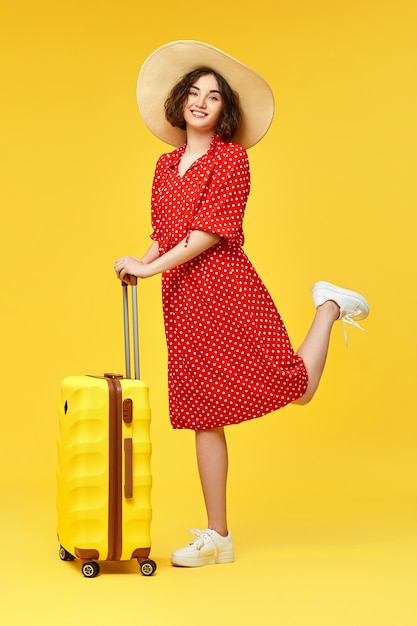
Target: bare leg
{"x": 212, "y": 461}
{"x": 315, "y": 346}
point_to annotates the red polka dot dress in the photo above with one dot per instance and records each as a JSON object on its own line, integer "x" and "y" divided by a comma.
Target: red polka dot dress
{"x": 229, "y": 355}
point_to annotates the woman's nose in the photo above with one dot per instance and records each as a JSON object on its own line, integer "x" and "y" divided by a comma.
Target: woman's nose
{"x": 201, "y": 102}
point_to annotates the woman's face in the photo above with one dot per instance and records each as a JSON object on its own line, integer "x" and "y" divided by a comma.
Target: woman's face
{"x": 204, "y": 104}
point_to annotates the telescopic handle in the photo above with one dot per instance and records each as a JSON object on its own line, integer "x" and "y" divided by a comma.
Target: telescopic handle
{"x": 135, "y": 327}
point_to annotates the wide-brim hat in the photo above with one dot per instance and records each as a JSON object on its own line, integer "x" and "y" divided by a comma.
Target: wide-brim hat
{"x": 169, "y": 63}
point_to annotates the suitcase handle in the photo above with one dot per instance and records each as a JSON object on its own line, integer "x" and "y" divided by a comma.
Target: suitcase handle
{"x": 128, "y": 488}
{"x": 127, "y": 331}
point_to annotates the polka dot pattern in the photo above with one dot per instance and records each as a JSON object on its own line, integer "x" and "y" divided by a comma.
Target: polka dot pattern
{"x": 229, "y": 355}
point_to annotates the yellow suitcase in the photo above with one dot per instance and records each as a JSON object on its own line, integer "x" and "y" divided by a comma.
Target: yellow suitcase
{"x": 103, "y": 470}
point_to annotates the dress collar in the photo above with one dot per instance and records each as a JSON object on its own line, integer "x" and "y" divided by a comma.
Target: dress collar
{"x": 177, "y": 154}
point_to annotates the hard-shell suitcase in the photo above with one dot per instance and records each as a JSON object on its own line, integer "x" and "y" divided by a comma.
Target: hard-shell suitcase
{"x": 103, "y": 469}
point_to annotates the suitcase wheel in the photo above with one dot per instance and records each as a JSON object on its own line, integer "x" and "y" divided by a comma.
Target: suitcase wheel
{"x": 64, "y": 555}
{"x": 90, "y": 569}
{"x": 147, "y": 567}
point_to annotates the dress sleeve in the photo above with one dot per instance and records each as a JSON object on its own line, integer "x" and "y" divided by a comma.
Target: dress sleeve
{"x": 224, "y": 201}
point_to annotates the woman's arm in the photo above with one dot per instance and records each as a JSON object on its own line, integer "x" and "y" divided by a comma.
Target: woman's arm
{"x": 198, "y": 241}
{"x": 151, "y": 254}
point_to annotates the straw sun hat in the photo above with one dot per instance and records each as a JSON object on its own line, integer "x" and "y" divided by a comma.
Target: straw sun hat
{"x": 169, "y": 63}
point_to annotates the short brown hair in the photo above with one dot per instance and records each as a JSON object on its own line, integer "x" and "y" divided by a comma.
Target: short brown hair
{"x": 230, "y": 116}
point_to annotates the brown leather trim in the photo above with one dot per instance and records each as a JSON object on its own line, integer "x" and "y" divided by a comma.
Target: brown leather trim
{"x": 128, "y": 410}
{"x": 90, "y": 555}
{"x": 115, "y": 470}
{"x": 128, "y": 448}
{"x": 141, "y": 553}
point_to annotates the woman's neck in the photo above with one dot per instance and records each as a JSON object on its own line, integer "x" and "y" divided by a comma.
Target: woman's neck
{"x": 197, "y": 146}
{"x": 197, "y": 143}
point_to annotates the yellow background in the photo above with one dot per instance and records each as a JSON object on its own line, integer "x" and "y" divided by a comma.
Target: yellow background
{"x": 322, "y": 498}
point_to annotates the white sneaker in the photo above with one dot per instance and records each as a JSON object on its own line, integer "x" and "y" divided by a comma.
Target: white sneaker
{"x": 207, "y": 549}
{"x": 353, "y": 305}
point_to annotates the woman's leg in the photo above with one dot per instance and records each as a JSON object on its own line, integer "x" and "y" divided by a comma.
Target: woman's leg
{"x": 213, "y": 545}
{"x": 332, "y": 303}
{"x": 315, "y": 346}
{"x": 212, "y": 462}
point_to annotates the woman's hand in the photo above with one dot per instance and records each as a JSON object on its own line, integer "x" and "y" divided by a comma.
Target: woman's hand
{"x": 128, "y": 268}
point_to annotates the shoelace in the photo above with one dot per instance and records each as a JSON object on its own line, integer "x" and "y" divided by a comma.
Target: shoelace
{"x": 347, "y": 320}
{"x": 198, "y": 542}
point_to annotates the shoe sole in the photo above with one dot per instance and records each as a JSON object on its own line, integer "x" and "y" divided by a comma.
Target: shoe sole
{"x": 334, "y": 289}
{"x": 222, "y": 558}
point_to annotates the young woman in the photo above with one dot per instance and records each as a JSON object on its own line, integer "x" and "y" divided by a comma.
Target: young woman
{"x": 229, "y": 355}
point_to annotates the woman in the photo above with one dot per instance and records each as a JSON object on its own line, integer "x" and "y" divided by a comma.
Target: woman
{"x": 229, "y": 355}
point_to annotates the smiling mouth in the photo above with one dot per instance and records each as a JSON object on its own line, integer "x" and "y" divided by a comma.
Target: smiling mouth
{"x": 198, "y": 114}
